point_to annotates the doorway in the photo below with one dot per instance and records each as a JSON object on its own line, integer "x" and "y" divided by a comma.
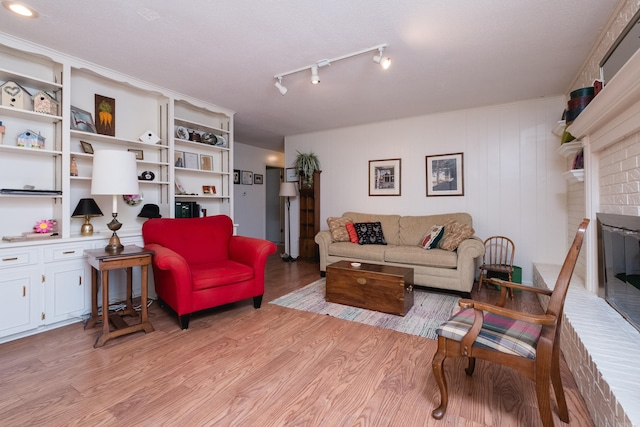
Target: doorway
{"x": 274, "y": 208}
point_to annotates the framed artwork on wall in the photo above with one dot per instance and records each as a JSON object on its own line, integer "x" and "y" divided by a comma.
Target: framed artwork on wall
{"x": 247, "y": 177}
{"x": 291, "y": 175}
{"x": 445, "y": 175}
{"x": 257, "y": 178}
{"x": 384, "y": 177}
{"x": 236, "y": 176}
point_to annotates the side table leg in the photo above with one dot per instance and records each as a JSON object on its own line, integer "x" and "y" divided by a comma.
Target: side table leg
{"x": 105, "y": 310}
{"x": 91, "y": 322}
{"x": 144, "y": 285}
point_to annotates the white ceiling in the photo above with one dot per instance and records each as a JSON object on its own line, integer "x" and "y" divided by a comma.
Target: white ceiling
{"x": 447, "y": 55}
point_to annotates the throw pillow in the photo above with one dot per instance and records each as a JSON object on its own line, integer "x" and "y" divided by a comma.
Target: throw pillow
{"x": 454, "y": 234}
{"x": 353, "y": 236}
{"x": 369, "y": 233}
{"x": 338, "y": 229}
{"x": 432, "y": 237}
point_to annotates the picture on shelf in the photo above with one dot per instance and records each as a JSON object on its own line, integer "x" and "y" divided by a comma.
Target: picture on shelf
{"x": 206, "y": 162}
{"x": 86, "y": 147}
{"x": 257, "y": 179}
{"x": 106, "y": 115}
{"x": 139, "y": 153}
{"x": 247, "y": 177}
{"x": 82, "y": 120}
{"x": 206, "y": 189}
{"x": 178, "y": 159}
{"x": 236, "y": 176}
{"x": 191, "y": 160}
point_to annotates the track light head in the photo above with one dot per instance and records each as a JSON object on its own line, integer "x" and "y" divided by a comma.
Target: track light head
{"x": 283, "y": 90}
{"x": 384, "y": 61}
{"x": 315, "y": 79}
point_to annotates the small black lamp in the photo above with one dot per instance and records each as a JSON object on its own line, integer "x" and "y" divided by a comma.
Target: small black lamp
{"x": 87, "y": 208}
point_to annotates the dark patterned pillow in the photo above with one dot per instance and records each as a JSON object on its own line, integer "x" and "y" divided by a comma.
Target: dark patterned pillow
{"x": 369, "y": 233}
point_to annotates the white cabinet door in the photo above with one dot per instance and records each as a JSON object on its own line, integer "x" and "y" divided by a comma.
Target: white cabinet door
{"x": 66, "y": 290}
{"x": 19, "y": 291}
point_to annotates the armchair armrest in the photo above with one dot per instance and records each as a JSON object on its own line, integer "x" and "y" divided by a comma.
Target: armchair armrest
{"x": 172, "y": 277}
{"x": 249, "y": 250}
{"x": 166, "y": 259}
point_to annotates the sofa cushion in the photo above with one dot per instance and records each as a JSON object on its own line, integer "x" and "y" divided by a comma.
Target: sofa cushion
{"x": 412, "y": 228}
{"x": 454, "y": 234}
{"x": 337, "y": 226}
{"x": 369, "y": 233}
{"x": 359, "y": 252}
{"x": 417, "y": 256}
{"x": 351, "y": 229}
{"x": 390, "y": 227}
{"x": 432, "y": 237}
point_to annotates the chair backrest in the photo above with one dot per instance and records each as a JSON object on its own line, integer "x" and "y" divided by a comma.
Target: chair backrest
{"x": 198, "y": 240}
{"x": 556, "y": 303}
{"x": 499, "y": 250}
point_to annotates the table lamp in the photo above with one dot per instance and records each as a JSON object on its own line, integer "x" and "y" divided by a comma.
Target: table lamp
{"x": 288, "y": 190}
{"x": 87, "y": 209}
{"x": 114, "y": 174}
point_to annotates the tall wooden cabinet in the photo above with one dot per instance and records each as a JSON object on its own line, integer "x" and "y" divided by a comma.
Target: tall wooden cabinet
{"x": 310, "y": 220}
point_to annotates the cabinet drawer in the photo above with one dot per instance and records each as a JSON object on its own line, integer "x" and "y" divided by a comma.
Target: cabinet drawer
{"x": 61, "y": 253}
{"x": 18, "y": 257}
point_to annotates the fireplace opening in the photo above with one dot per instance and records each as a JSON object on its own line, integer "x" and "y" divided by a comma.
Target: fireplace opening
{"x": 619, "y": 264}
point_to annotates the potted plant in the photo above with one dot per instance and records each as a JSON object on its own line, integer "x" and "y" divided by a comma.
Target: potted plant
{"x": 306, "y": 165}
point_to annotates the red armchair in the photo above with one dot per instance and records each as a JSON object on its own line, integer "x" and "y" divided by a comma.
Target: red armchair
{"x": 200, "y": 264}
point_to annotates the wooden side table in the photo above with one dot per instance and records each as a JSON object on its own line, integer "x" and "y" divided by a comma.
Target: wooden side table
{"x": 102, "y": 261}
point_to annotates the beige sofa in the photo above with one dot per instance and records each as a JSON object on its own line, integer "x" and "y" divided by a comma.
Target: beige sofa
{"x": 435, "y": 268}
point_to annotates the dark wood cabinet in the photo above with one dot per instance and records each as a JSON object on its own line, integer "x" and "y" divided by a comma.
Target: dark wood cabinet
{"x": 310, "y": 220}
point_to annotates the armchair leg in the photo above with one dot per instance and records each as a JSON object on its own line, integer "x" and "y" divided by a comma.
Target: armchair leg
{"x": 257, "y": 301}
{"x": 438, "y": 373}
{"x": 556, "y": 381}
{"x": 184, "y": 320}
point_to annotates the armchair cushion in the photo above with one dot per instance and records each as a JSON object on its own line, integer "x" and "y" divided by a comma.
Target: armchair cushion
{"x": 204, "y": 276}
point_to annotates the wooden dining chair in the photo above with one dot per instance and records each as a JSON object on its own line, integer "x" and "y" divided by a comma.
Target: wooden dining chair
{"x": 499, "y": 252}
{"x": 528, "y": 343}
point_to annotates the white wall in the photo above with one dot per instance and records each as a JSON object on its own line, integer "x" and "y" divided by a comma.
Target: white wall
{"x": 250, "y": 200}
{"x": 512, "y": 172}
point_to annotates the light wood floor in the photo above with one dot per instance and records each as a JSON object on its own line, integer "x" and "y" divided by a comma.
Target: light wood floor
{"x": 238, "y": 366}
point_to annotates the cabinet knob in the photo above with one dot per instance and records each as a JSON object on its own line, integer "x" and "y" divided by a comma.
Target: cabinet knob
{"x": 361, "y": 281}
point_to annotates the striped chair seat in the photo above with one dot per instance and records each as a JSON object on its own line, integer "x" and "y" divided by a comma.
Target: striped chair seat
{"x": 498, "y": 333}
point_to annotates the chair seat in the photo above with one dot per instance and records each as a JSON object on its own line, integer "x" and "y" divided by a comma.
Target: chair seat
{"x": 498, "y": 333}
{"x": 497, "y": 268}
{"x": 223, "y": 273}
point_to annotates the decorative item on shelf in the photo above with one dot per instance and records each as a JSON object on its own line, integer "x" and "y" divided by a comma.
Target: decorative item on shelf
{"x": 147, "y": 176}
{"x": 139, "y": 153}
{"x": 305, "y": 165}
{"x": 182, "y": 133}
{"x": 86, "y": 147}
{"x": 578, "y": 160}
{"x": 82, "y": 120}
{"x": 30, "y": 139}
{"x": 178, "y": 157}
{"x": 149, "y": 137}
{"x": 206, "y": 189}
{"x": 579, "y": 99}
{"x": 74, "y": 167}
{"x": 133, "y": 199}
{"x": 87, "y": 209}
{"x": 288, "y": 190}
{"x": 2, "y": 131}
{"x": 191, "y": 160}
{"x": 114, "y": 173}
{"x": 45, "y": 103}
{"x": 195, "y": 136}
{"x": 14, "y": 95}
{"x": 46, "y": 226}
{"x": 206, "y": 162}
{"x": 221, "y": 141}
{"x": 209, "y": 138}
{"x": 106, "y": 114}
{"x": 179, "y": 188}
{"x": 150, "y": 211}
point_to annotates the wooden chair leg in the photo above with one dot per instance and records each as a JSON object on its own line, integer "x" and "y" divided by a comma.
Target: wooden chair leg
{"x": 542, "y": 389}
{"x": 510, "y": 289}
{"x": 480, "y": 279}
{"x": 556, "y": 381}
{"x": 438, "y": 373}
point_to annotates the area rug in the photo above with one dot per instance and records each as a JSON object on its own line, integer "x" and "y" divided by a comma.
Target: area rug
{"x": 428, "y": 312}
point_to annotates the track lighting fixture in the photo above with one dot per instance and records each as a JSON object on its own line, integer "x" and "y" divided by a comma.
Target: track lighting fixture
{"x": 282, "y": 89}
{"x": 384, "y": 62}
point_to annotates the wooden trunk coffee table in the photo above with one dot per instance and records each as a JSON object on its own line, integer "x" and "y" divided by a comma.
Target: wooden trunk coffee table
{"x": 384, "y": 288}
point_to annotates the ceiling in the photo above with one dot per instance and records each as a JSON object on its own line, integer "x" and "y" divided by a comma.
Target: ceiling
{"x": 446, "y": 55}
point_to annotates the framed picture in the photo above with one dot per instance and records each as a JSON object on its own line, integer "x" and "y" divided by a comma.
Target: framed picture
{"x": 384, "y": 177}
{"x": 179, "y": 187}
{"x": 191, "y": 160}
{"x": 236, "y": 176}
{"x": 291, "y": 175}
{"x": 206, "y": 162}
{"x": 257, "y": 178}
{"x": 206, "y": 189}
{"x": 178, "y": 159}
{"x": 105, "y": 115}
{"x": 82, "y": 120}
{"x": 445, "y": 175}
{"x": 247, "y": 177}
{"x": 139, "y": 153}
{"x": 86, "y": 147}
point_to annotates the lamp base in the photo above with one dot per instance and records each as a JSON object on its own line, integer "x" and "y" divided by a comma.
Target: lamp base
{"x": 114, "y": 244}
{"x": 87, "y": 227}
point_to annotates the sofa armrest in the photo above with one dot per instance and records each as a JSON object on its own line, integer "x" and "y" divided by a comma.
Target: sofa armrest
{"x": 323, "y": 239}
{"x": 468, "y": 251}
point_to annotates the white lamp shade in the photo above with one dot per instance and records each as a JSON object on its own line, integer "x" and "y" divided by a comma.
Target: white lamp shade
{"x": 288, "y": 189}
{"x": 114, "y": 172}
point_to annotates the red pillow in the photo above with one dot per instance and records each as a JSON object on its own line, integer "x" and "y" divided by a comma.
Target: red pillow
{"x": 353, "y": 236}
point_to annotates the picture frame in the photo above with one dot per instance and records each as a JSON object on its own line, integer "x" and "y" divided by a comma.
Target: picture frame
{"x": 206, "y": 162}
{"x": 247, "y": 178}
{"x": 445, "y": 175}
{"x": 258, "y": 178}
{"x": 105, "y": 109}
{"x": 178, "y": 159}
{"x": 206, "y": 189}
{"x": 82, "y": 120}
{"x": 86, "y": 147}
{"x": 291, "y": 175}
{"x": 385, "y": 177}
{"x": 236, "y": 176}
{"x": 191, "y": 160}
{"x": 139, "y": 153}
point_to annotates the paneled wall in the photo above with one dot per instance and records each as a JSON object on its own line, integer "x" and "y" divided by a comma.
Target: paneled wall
{"x": 512, "y": 172}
